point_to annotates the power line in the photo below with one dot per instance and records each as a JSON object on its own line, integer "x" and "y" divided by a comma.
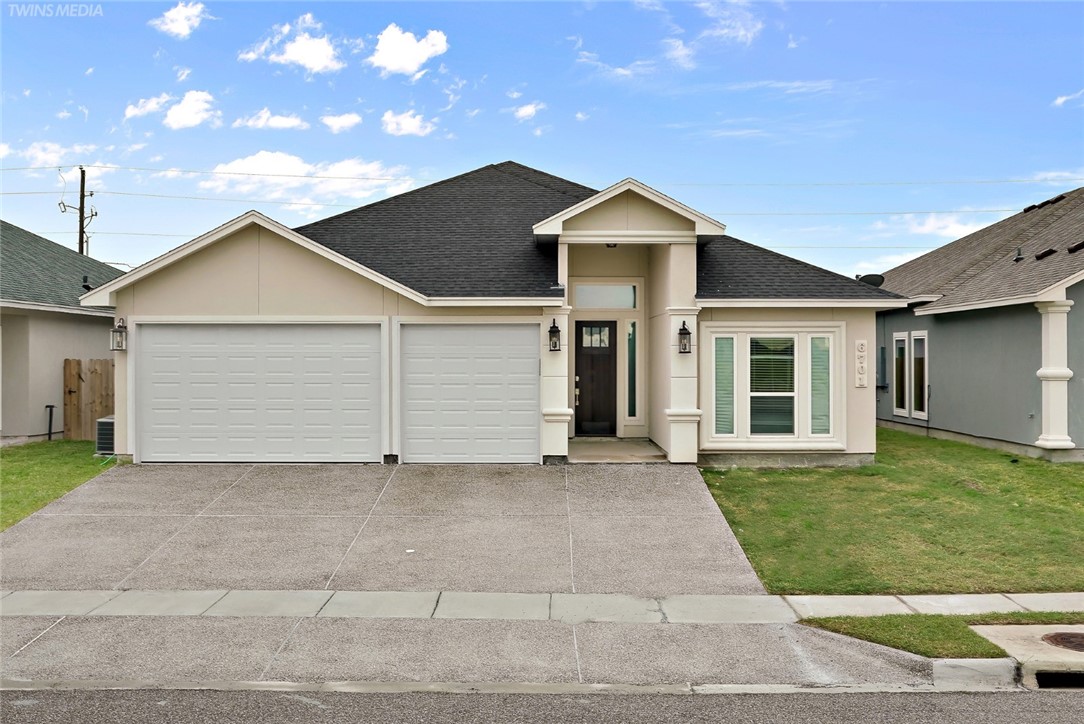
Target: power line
{"x": 933, "y": 182}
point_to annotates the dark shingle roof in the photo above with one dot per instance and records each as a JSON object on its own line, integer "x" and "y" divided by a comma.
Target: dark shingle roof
{"x": 38, "y": 271}
{"x": 979, "y": 267}
{"x": 467, "y": 236}
{"x": 729, "y": 268}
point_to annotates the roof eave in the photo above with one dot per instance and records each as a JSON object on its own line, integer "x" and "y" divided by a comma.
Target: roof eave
{"x": 875, "y": 304}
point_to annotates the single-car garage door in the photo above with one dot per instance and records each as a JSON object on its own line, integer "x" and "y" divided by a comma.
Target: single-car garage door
{"x": 470, "y": 393}
{"x": 258, "y": 393}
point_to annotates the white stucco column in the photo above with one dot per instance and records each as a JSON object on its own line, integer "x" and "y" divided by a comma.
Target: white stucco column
{"x": 683, "y": 413}
{"x": 556, "y": 413}
{"x": 1055, "y": 374}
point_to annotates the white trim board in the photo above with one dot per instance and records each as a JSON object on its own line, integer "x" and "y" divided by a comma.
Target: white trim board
{"x": 59, "y": 309}
{"x": 703, "y": 223}
{"x": 803, "y": 303}
{"x": 1053, "y": 293}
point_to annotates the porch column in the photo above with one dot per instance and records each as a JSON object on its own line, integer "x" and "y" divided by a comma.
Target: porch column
{"x": 683, "y": 413}
{"x": 556, "y": 413}
{"x": 1055, "y": 374}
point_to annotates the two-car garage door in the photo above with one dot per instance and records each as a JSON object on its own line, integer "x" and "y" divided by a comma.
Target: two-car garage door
{"x": 312, "y": 393}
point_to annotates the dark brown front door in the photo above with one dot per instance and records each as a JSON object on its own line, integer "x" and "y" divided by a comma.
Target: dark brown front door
{"x": 596, "y": 378}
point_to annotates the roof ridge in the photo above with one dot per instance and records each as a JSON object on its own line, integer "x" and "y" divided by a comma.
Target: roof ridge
{"x": 503, "y": 168}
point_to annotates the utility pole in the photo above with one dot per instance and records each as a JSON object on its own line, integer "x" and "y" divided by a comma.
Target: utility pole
{"x": 82, "y": 210}
{"x": 85, "y": 217}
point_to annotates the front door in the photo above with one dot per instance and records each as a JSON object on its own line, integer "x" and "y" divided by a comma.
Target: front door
{"x": 596, "y": 378}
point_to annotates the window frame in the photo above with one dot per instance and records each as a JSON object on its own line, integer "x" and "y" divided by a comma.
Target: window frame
{"x": 904, "y": 411}
{"x": 802, "y": 438}
{"x": 923, "y": 414}
{"x": 748, "y": 388}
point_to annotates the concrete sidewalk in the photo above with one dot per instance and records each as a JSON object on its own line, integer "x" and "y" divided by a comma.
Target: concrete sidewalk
{"x": 568, "y": 608}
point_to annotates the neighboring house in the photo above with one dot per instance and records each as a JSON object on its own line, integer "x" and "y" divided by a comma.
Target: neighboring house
{"x": 418, "y": 329}
{"x": 41, "y": 324}
{"x": 987, "y": 349}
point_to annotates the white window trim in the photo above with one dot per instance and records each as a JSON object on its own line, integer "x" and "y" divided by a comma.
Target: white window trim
{"x": 925, "y": 414}
{"x": 743, "y": 360}
{"x": 904, "y": 411}
{"x": 802, "y": 439}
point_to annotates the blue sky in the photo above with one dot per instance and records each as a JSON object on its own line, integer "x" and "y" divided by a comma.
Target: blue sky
{"x": 816, "y": 129}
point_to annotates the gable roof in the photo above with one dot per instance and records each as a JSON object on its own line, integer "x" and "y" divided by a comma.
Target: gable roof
{"x": 36, "y": 271}
{"x": 732, "y": 269}
{"x": 978, "y": 269}
{"x": 467, "y": 236}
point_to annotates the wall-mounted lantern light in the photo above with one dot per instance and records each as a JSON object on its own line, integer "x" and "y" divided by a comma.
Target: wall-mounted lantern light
{"x": 555, "y": 337}
{"x": 118, "y": 336}
{"x": 685, "y": 340}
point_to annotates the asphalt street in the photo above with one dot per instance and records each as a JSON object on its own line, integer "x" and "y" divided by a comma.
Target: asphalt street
{"x": 199, "y": 707}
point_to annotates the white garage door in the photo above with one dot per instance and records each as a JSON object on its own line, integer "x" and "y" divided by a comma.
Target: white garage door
{"x": 470, "y": 393}
{"x": 258, "y": 393}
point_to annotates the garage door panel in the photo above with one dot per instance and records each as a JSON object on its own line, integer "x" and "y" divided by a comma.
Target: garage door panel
{"x": 470, "y": 393}
{"x": 259, "y": 392}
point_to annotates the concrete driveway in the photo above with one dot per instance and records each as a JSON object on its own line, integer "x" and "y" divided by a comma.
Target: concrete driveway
{"x": 649, "y": 530}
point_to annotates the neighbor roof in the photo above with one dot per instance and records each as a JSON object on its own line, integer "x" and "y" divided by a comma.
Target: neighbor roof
{"x": 34, "y": 270}
{"x": 729, "y": 268}
{"x": 467, "y": 236}
{"x": 979, "y": 267}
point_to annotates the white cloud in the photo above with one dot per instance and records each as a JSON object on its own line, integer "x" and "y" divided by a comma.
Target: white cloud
{"x": 156, "y": 159}
{"x": 407, "y": 123}
{"x": 1062, "y": 100}
{"x": 89, "y": 70}
{"x": 340, "y": 123}
{"x": 193, "y": 110}
{"x": 472, "y": 112}
{"x": 135, "y": 147}
{"x": 182, "y": 73}
{"x": 513, "y": 94}
{"x": 294, "y": 45}
{"x": 47, "y": 153}
{"x": 353, "y": 180}
{"x": 26, "y": 92}
{"x": 453, "y": 93}
{"x": 1059, "y": 178}
{"x": 64, "y": 114}
{"x": 789, "y": 87}
{"x": 581, "y": 116}
{"x": 943, "y": 226}
{"x": 95, "y": 172}
{"x": 792, "y": 42}
{"x": 632, "y": 70}
{"x": 528, "y": 111}
{"x": 731, "y": 22}
{"x": 145, "y": 106}
{"x": 538, "y": 132}
{"x": 265, "y": 119}
{"x": 401, "y": 52}
{"x": 678, "y": 53}
{"x": 5, "y": 150}
{"x": 84, "y": 110}
{"x": 181, "y": 20}
{"x": 881, "y": 264}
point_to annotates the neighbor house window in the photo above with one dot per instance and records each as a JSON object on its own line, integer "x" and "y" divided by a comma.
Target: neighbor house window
{"x": 919, "y": 375}
{"x": 766, "y": 385}
{"x": 899, "y": 374}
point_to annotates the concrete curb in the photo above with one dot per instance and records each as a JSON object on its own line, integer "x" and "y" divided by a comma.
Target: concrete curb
{"x": 976, "y": 674}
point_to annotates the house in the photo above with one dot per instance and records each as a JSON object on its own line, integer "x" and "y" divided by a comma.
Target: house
{"x": 41, "y": 324}
{"x": 987, "y": 347}
{"x": 491, "y": 317}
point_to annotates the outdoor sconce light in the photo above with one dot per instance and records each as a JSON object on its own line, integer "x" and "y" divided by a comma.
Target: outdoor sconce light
{"x": 118, "y": 337}
{"x": 555, "y": 337}
{"x": 685, "y": 340}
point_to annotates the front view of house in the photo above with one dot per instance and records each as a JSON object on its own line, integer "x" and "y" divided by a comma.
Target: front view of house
{"x": 490, "y": 318}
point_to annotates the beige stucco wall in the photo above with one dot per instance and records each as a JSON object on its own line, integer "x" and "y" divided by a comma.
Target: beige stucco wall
{"x": 860, "y": 324}
{"x": 628, "y": 211}
{"x": 35, "y": 345}
{"x": 257, "y": 274}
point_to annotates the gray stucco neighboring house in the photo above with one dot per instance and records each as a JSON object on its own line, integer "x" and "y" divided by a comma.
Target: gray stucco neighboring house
{"x": 41, "y": 324}
{"x": 989, "y": 349}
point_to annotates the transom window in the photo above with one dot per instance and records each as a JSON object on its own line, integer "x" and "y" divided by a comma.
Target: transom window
{"x": 605, "y": 296}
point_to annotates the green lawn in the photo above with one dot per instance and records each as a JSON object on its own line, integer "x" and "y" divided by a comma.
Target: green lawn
{"x": 937, "y": 637}
{"x": 38, "y": 473}
{"x": 930, "y": 516}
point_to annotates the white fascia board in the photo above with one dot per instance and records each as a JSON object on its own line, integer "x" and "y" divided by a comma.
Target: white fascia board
{"x": 104, "y": 295}
{"x": 923, "y": 298}
{"x": 703, "y": 224}
{"x": 804, "y": 303}
{"x": 60, "y": 309}
{"x": 496, "y": 302}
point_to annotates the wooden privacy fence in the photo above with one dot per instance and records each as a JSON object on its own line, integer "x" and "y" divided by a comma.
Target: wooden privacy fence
{"x": 88, "y": 395}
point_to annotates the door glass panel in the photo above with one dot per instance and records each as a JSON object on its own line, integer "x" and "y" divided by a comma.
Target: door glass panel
{"x": 606, "y": 296}
{"x": 632, "y": 369}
